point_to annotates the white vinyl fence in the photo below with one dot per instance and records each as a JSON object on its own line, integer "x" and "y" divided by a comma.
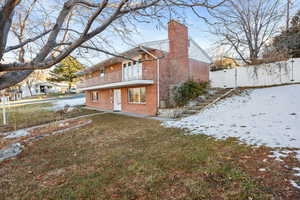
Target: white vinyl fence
{"x": 258, "y": 75}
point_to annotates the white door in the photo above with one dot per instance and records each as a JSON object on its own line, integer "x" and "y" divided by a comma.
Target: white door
{"x": 117, "y": 99}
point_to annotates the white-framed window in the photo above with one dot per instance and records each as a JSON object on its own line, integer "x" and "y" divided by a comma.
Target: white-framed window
{"x": 94, "y": 96}
{"x": 89, "y": 76}
{"x": 137, "y": 95}
{"x": 102, "y": 73}
{"x": 132, "y": 70}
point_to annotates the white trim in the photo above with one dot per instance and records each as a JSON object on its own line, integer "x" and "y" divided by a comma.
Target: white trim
{"x": 119, "y": 84}
{"x": 117, "y": 99}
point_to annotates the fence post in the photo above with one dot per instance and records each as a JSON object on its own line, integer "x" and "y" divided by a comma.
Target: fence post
{"x": 235, "y": 76}
{"x": 292, "y": 69}
{"x": 4, "y": 100}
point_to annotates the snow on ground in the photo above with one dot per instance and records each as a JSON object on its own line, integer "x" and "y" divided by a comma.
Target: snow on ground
{"x": 59, "y": 104}
{"x": 297, "y": 169}
{"x": 294, "y": 184}
{"x": 11, "y": 151}
{"x": 268, "y": 116}
{"x": 16, "y": 134}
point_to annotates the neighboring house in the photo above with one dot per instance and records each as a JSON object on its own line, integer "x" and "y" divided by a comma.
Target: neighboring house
{"x": 143, "y": 85}
{"x": 43, "y": 88}
{"x": 13, "y": 93}
{"x": 224, "y": 63}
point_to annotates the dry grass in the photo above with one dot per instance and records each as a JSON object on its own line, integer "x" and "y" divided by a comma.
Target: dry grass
{"x": 119, "y": 157}
{"x": 34, "y": 114}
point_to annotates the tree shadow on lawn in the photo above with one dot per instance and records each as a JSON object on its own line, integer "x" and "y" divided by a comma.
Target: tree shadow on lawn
{"x": 120, "y": 157}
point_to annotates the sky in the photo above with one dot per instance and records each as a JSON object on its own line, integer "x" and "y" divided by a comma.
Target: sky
{"x": 146, "y": 32}
{"x": 198, "y": 30}
{"x": 150, "y": 32}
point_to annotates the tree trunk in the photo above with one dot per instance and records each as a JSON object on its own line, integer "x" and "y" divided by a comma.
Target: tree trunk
{"x": 29, "y": 87}
{"x": 69, "y": 88}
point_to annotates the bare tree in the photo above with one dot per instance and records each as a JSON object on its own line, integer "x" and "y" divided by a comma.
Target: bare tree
{"x": 246, "y": 25}
{"x": 72, "y": 25}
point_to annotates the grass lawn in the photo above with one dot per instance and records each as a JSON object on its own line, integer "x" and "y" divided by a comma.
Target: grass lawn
{"x": 119, "y": 157}
{"x": 34, "y": 114}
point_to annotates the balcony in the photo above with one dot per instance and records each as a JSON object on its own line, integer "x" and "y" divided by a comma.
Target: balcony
{"x": 116, "y": 80}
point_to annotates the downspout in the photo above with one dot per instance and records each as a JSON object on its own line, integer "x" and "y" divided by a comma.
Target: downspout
{"x": 157, "y": 72}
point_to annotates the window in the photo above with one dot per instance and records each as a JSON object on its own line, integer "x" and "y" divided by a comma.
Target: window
{"x": 137, "y": 95}
{"x": 89, "y": 76}
{"x": 95, "y": 96}
{"x": 132, "y": 71}
{"x": 101, "y": 73}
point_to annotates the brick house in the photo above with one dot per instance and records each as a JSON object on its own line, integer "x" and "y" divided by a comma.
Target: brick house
{"x": 142, "y": 85}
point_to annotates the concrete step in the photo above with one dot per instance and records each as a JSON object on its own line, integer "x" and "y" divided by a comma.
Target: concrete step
{"x": 204, "y": 103}
{"x": 214, "y": 97}
{"x": 220, "y": 93}
{"x": 185, "y": 115}
{"x": 190, "y": 112}
{"x": 195, "y": 107}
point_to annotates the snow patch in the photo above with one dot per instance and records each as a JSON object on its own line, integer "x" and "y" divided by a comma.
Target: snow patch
{"x": 280, "y": 154}
{"x": 60, "y": 104}
{"x": 297, "y": 169}
{"x": 268, "y": 116}
{"x": 16, "y": 134}
{"x": 262, "y": 169}
{"x": 11, "y": 151}
{"x": 293, "y": 183}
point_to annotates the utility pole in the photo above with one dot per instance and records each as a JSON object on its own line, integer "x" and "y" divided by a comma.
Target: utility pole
{"x": 288, "y": 15}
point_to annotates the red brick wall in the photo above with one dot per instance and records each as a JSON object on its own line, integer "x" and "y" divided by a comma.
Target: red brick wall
{"x": 106, "y": 95}
{"x": 105, "y": 100}
{"x": 149, "y": 108}
{"x": 175, "y": 68}
{"x": 199, "y": 71}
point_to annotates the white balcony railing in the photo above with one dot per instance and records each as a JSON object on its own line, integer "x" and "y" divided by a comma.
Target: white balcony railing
{"x": 114, "y": 77}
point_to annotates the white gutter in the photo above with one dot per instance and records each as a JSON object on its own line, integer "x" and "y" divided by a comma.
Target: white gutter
{"x": 118, "y": 84}
{"x": 157, "y": 74}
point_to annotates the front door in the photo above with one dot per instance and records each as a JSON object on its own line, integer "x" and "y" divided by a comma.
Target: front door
{"x": 117, "y": 99}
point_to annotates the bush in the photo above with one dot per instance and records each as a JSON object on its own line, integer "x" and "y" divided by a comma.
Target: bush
{"x": 188, "y": 91}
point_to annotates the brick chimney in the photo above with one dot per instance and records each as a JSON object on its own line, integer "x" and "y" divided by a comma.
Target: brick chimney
{"x": 178, "y": 52}
{"x": 178, "y": 39}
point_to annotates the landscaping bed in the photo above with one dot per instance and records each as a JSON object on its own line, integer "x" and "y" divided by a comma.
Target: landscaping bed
{"x": 12, "y": 143}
